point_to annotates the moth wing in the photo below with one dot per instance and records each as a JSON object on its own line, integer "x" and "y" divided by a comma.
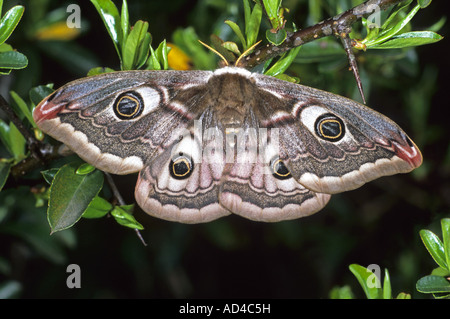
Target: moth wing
{"x": 182, "y": 183}
{"x": 252, "y": 189}
{"x": 119, "y": 121}
{"x": 330, "y": 143}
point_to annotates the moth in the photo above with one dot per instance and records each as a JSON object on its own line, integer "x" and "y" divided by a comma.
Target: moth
{"x": 210, "y": 143}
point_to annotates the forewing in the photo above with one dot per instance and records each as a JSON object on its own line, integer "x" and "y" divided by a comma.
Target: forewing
{"x": 120, "y": 121}
{"x": 330, "y": 143}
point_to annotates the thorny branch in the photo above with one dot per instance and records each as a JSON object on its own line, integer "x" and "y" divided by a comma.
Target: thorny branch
{"x": 339, "y": 26}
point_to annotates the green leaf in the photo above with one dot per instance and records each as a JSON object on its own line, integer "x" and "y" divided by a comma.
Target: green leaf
{"x": 125, "y": 19}
{"x": 364, "y": 277}
{"x": 124, "y": 218}
{"x": 433, "y": 284}
{"x": 38, "y": 93}
{"x": 111, "y": 18}
{"x": 445, "y": 224}
{"x": 4, "y": 135}
{"x": 5, "y": 167}
{"x": 13, "y": 60}
{"x": 17, "y": 141}
{"x": 391, "y": 20}
{"x": 424, "y": 3}
{"x": 23, "y": 107}
{"x": 9, "y": 22}
{"x": 434, "y": 246}
{"x": 99, "y": 70}
{"x": 276, "y": 38}
{"x": 387, "y": 289}
{"x": 344, "y": 292}
{"x": 97, "y": 208}
{"x": 283, "y": 63}
{"x": 49, "y": 174}
{"x": 161, "y": 52}
{"x": 272, "y": 9}
{"x": 231, "y": 46}
{"x": 403, "y": 295}
{"x": 70, "y": 195}
{"x": 137, "y": 46}
{"x": 85, "y": 169}
{"x": 238, "y": 32}
{"x": 252, "y": 26}
{"x": 409, "y": 39}
{"x": 390, "y": 32}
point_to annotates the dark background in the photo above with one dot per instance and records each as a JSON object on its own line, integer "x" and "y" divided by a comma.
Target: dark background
{"x": 233, "y": 257}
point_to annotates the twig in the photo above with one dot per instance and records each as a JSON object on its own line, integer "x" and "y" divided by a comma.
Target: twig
{"x": 339, "y": 26}
{"x": 40, "y": 152}
{"x": 119, "y": 198}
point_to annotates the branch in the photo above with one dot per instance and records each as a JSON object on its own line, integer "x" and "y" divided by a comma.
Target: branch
{"x": 40, "y": 152}
{"x": 339, "y": 26}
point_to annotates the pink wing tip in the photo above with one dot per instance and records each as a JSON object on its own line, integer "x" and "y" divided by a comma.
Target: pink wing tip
{"x": 46, "y": 110}
{"x": 409, "y": 153}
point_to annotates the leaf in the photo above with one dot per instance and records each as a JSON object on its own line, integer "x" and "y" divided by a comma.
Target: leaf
{"x": 161, "y": 52}
{"x": 276, "y": 38}
{"x": 5, "y": 167}
{"x": 38, "y": 93}
{"x": 238, "y": 32}
{"x": 97, "y": 208}
{"x": 283, "y": 64}
{"x": 17, "y": 142}
{"x": 272, "y": 9}
{"x": 99, "y": 70}
{"x": 391, "y": 32}
{"x": 13, "y": 60}
{"x": 231, "y": 46}
{"x": 445, "y": 225}
{"x": 70, "y": 195}
{"x": 403, "y": 295}
{"x": 85, "y": 169}
{"x": 252, "y": 25}
{"x": 23, "y": 107}
{"x": 424, "y": 3}
{"x": 9, "y": 22}
{"x": 409, "y": 39}
{"x": 364, "y": 276}
{"x": 124, "y": 218}
{"x": 49, "y": 174}
{"x": 434, "y": 246}
{"x": 387, "y": 289}
{"x": 110, "y": 16}
{"x": 344, "y": 292}
{"x": 124, "y": 19}
{"x": 131, "y": 51}
{"x": 4, "y": 135}
{"x": 433, "y": 284}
